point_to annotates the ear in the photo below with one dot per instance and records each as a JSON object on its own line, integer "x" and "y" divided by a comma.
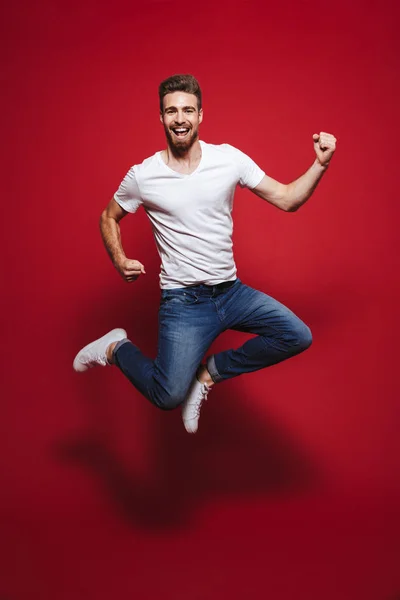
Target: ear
{"x": 200, "y": 115}
{"x": 161, "y": 117}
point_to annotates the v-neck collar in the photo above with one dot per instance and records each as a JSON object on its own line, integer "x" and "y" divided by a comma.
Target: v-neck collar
{"x": 183, "y": 175}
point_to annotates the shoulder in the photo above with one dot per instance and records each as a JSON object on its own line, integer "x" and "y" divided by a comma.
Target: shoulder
{"x": 223, "y": 149}
{"x": 137, "y": 171}
{"x": 146, "y": 165}
{"x": 226, "y": 152}
{"x": 223, "y": 153}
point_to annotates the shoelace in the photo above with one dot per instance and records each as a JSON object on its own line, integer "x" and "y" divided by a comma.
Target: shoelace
{"x": 95, "y": 360}
{"x": 203, "y": 394}
{"x": 101, "y": 360}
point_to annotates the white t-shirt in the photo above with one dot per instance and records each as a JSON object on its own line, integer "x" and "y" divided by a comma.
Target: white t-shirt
{"x": 191, "y": 214}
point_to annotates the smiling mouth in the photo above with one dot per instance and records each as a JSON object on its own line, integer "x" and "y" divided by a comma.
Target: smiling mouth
{"x": 180, "y": 132}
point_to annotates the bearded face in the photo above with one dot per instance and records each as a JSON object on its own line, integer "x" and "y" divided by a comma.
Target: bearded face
{"x": 181, "y": 119}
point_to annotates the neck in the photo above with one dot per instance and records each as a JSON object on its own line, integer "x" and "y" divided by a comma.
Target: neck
{"x": 193, "y": 154}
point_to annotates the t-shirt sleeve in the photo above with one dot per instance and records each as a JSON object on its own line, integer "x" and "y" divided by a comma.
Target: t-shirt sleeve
{"x": 128, "y": 193}
{"x": 250, "y": 173}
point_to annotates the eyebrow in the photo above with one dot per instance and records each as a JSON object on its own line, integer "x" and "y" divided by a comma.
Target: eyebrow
{"x": 184, "y": 107}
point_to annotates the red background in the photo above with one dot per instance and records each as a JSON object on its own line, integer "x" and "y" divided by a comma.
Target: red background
{"x": 291, "y": 487}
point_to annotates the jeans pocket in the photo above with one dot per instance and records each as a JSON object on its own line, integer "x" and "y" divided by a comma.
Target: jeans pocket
{"x": 190, "y": 297}
{"x": 178, "y": 298}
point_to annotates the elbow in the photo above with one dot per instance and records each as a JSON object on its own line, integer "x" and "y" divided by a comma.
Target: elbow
{"x": 290, "y": 202}
{"x": 290, "y": 205}
{"x": 103, "y": 218}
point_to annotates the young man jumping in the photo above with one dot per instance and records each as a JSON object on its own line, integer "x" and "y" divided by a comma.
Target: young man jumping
{"x": 187, "y": 191}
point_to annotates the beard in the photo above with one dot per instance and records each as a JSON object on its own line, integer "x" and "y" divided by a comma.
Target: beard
{"x": 181, "y": 146}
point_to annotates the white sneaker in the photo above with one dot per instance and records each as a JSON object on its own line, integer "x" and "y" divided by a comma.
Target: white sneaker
{"x": 95, "y": 353}
{"x": 191, "y": 406}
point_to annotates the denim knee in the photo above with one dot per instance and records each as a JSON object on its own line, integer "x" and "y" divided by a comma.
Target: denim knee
{"x": 304, "y": 338}
{"x": 171, "y": 403}
{"x": 294, "y": 340}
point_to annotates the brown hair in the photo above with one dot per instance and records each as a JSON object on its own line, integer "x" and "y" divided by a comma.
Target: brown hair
{"x": 180, "y": 83}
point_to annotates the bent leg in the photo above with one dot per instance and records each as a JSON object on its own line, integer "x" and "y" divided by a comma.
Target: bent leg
{"x": 186, "y": 330}
{"x": 281, "y": 335}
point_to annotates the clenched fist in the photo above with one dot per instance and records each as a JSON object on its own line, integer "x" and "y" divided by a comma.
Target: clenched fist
{"x": 324, "y": 146}
{"x": 130, "y": 269}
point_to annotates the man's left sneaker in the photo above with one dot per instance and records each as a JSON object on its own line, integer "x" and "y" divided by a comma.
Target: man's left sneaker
{"x": 95, "y": 353}
{"x": 191, "y": 407}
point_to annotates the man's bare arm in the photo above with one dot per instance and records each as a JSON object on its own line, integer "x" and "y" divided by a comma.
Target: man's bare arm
{"x": 111, "y": 234}
{"x": 290, "y": 197}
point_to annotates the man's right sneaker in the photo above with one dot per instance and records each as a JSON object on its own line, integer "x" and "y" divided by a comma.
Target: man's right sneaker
{"x": 95, "y": 353}
{"x": 191, "y": 407}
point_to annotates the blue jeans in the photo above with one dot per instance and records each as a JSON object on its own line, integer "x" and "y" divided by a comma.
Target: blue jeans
{"x": 189, "y": 321}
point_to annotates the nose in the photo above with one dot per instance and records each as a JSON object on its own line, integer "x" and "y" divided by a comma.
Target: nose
{"x": 179, "y": 118}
